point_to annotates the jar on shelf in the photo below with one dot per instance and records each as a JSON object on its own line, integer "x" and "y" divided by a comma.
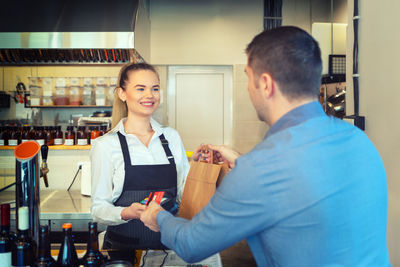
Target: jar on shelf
{"x": 75, "y": 94}
{"x": 75, "y": 98}
{"x": 101, "y": 86}
{"x": 47, "y": 91}
{"x": 110, "y": 91}
{"x": 61, "y": 94}
{"x": 87, "y": 92}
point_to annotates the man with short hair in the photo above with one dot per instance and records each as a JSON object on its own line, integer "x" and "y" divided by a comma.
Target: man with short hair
{"x": 312, "y": 193}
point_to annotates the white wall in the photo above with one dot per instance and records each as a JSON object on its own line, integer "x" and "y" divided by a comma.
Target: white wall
{"x": 379, "y": 94}
{"x": 203, "y": 32}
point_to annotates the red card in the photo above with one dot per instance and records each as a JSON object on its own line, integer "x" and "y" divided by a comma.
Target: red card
{"x": 155, "y": 196}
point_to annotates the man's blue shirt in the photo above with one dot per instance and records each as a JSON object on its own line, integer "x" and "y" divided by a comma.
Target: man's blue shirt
{"x": 312, "y": 193}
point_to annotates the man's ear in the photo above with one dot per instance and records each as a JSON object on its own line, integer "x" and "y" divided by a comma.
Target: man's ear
{"x": 267, "y": 85}
{"x": 121, "y": 94}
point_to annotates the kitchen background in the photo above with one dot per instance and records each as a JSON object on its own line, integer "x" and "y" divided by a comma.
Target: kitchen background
{"x": 213, "y": 34}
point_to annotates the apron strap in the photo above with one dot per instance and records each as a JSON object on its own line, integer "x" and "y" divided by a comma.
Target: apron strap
{"x": 124, "y": 147}
{"x": 164, "y": 143}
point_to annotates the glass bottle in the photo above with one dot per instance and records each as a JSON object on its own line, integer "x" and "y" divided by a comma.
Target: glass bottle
{"x": 48, "y": 136}
{"x": 25, "y": 134}
{"x": 89, "y": 133}
{"x": 67, "y": 256}
{"x": 58, "y": 136}
{"x": 3, "y": 136}
{"x": 95, "y": 132}
{"x": 23, "y": 249}
{"x": 102, "y": 130}
{"x": 40, "y": 135}
{"x": 69, "y": 136}
{"x": 81, "y": 136}
{"x": 32, "y": 133}
{"x": 15, "y": 137}
{"x": 6, "y": 238}
{"x": 44, "y": 258}
{"x": 93, "y": 256}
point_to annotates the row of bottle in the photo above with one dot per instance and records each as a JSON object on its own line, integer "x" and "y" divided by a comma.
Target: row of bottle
{"x": 50, "y": 135}
{"x": 22, "y": 250}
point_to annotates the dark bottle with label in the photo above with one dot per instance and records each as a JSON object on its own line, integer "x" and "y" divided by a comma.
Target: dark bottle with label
{"x": 69, "y": 136}
{"x": 6, "y": 238}
{"x": 25, "y": 136}
{"x": 15, "y": 136}
{"x": 40, "y": 135}
{"x": 67, "y": 255}
{"x": 32, "y": 133}
{"x": 3, "y": 136}
{"x": 48, "y": 136}
{"x": 81, "y": 136}
{"x": 44, "y": 258}
{"x": 93, "y": 256}
{"x": 58, "y": 136}
{"x": 23, "y": 249}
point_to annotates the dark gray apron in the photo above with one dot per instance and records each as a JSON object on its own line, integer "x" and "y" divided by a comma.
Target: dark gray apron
{"x": 139, "y": 181}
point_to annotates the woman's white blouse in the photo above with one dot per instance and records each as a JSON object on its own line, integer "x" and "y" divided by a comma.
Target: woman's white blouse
{"x": 108, "y": 172}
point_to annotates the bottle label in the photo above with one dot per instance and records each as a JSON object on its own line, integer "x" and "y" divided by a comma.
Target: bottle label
{"x": 24, "y": 140}
{"x": 58, "y": 141}
{"x": 40, "y": 141}
{"x": 12, "y": 142}
{"x": 5, "y": 259}
{"x": 82, "y": 142}
{"x": 69, "y": 142}
{"x": 1, "y": 142}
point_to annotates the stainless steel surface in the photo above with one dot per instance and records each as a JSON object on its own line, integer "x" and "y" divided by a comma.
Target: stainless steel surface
{"x": 27, "y": 191}
{"x": 81, "y": 40}
{"x": 59, "y": 206}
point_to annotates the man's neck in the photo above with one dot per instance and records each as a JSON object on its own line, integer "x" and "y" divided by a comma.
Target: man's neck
{"x": 284, "y": 106}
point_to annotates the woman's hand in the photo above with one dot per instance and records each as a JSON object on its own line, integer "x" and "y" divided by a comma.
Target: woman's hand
{"x": 133, "y": 211}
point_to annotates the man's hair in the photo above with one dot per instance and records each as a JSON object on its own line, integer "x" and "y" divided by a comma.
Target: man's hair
{"x": 291, "y": 56}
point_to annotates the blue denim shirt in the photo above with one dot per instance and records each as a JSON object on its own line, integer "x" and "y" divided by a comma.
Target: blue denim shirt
{"x": 312, "y": 193}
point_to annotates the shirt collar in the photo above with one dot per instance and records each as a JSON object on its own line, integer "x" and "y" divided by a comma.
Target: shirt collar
{"x": 154, "y": 125}
{"x": 297, "y": 116}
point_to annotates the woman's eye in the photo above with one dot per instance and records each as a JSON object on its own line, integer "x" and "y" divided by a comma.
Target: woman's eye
{"x": 140, "y": 89}
{"x": 156, "y": 89}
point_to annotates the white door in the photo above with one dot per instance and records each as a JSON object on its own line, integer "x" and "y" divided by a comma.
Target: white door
{"x": 200, "y": 104}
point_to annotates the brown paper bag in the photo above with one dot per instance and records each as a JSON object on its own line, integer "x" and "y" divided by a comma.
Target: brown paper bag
{"x": 201, "y": 182}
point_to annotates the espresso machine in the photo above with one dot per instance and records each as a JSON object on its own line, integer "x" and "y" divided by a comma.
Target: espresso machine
{"x": 27, "y": 175}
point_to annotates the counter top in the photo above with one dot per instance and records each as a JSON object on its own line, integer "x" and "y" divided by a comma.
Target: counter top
{"x": 57, "y": 204}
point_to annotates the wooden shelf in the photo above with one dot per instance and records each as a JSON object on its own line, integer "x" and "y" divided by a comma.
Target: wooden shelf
{"x": 71, "y": 106}
{"x": 60, "y": 147}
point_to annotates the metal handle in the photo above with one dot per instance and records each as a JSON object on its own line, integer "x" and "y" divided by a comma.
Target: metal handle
{"x": 45, "y": 150}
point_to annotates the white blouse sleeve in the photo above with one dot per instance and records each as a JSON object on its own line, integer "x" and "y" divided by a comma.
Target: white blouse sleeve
{"x": 182, "y": 167}
{"x": 102, "y": 208}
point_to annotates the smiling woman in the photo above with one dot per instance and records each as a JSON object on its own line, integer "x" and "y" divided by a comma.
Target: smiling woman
{"x": 137, "y": 157}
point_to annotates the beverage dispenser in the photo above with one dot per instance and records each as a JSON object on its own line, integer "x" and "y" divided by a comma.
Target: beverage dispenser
{"x": 27, "y": 174}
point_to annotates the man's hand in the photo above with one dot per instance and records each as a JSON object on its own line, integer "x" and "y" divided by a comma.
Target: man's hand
{"x": 223, "y": 153}
{"x": 149, "y": 216}
{"x": 133, "y": 211}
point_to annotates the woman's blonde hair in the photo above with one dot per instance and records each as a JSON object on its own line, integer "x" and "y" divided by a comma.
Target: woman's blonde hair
{"x": 120, "y": 109}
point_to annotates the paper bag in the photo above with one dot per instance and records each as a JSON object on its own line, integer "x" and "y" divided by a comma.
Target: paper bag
{"x": 201, "y": 182}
